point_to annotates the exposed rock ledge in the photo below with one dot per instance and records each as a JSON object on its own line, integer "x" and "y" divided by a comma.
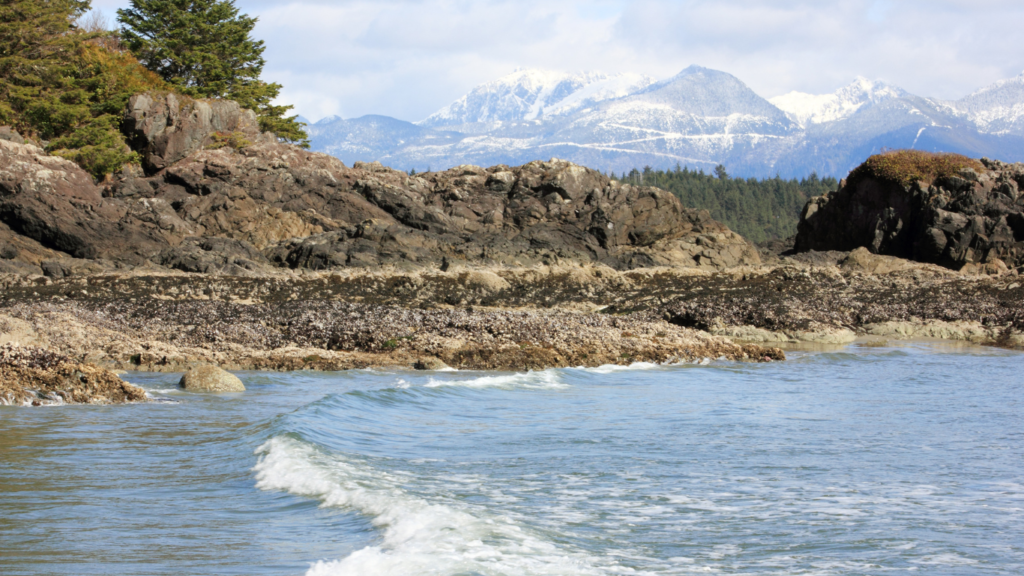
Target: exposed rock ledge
{"x": 32, "y": 376}
{"x": 167, "y": 336}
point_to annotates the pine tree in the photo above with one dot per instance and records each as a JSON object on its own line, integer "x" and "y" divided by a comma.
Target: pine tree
{"x": 203, "y": 48}
{"x": 36, "y": 49}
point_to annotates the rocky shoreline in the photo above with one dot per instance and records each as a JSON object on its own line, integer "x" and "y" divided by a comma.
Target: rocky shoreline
{"x": 505, "y": 318}
{"x": 492, "y": 318}
{"x": 32, "y": 376}
{"x": 227, "y": 247}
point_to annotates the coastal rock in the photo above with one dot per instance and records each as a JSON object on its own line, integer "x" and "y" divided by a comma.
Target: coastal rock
{"x": 972, "y": 218}
{"x": 165, "y": 128}
{"x": 210, "y": 379}
{"x": 213, "y": 185}
{"x": 55, "y": 203}
{"x": 429, "y": 363}
{"x": 37, "y": 377}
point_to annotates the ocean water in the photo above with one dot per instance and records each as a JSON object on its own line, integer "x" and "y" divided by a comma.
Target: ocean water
{"x": 892, "y": 460}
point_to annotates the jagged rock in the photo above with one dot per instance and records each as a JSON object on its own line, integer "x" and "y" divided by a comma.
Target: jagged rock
{"x": 56, "y": 203}
{"x": 970, "y": 219}
{"x": 210, "y": 379}
{"x": 166, "y": 128}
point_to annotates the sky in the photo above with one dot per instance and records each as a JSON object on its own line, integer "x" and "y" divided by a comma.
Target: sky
{"x": 409, "y": 58}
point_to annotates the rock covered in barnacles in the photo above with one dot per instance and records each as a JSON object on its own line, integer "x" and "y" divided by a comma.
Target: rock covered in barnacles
{"x": 36, "y": 377}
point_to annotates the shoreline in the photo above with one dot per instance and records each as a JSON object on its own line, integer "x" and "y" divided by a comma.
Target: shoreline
{"x": 501, "y": 318}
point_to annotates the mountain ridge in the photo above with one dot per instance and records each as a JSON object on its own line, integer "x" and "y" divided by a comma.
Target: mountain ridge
{"x": 698, "y": 118}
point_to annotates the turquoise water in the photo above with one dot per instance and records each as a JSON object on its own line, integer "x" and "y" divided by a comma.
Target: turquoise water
{"x": 907, "y": 459}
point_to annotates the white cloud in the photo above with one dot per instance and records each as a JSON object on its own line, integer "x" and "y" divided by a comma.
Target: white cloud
{"x": 407, "y": 58}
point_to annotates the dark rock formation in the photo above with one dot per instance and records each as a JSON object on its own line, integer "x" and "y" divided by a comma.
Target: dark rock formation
{"x": 217, "y": 196}
{"x": 54, "y": 202}
{"x": 971, "y": 218}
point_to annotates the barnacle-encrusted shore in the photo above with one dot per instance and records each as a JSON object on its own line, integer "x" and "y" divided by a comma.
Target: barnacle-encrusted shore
{"x": 31, "y": 376}
{"x": 504, "y": 319}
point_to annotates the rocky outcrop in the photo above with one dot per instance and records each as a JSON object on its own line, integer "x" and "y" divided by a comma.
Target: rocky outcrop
{"x": 36, "y": 377}
{"x": 56, "y": 204}
{"x": 216, "y": 196}
{"x": 210, "y": 379}
{"x": 973, "y": 218}
{"x": 165, "y": 127}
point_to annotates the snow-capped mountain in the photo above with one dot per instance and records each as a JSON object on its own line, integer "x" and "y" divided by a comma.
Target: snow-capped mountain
{"x": 998, "y": 108}
{"x": 807, "y": 109}
{"x": 527, "y": 95}
{"x": 698, "y": 118}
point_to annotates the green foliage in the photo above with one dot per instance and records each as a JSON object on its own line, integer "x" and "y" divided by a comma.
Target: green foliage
{"x": 37, "y": 45}
{"x": 234, "y": 140}
{"x": 908, "y": 166}
{"x": 759, "y": 210}
{"x": 98, "y": 147}
{"x": 203, "y": 49}
{"x": 66, "y": 86}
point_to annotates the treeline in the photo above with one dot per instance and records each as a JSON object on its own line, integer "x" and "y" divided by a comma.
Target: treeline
{"x": 760, "y": 210}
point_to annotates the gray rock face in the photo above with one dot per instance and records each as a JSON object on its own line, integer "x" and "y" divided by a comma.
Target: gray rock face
{"x": 967, "y": 219}
{"x": 8, "y": 134}
{"x": 165, "y": 128}
{"x": 210, "y": 379}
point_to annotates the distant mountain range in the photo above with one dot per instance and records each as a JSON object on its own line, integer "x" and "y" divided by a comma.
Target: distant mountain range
{"x": 699, "y": 118}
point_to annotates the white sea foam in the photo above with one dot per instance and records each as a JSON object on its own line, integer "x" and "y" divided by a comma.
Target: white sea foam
{"x": 610, "y": 368}
{"x": 418, "y": 537}
{"x": 545, "y": 379}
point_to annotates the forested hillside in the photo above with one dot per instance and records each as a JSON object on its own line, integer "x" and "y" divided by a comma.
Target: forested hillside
{"x": 758, "y": 209}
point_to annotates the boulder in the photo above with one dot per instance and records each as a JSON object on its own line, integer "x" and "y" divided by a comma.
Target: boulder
{"x": 210, "y": 379}
{"x": 973, "y": 217}
{"x": 7, "y": 133}
{"x": 430, "y": 363}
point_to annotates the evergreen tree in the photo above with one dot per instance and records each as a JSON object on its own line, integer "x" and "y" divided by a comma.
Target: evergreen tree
{"x": 203, "y": 49}
{"x": 760, "y": 210}
{"x": 65, "y": 88}
{"x": 36, "y": 52}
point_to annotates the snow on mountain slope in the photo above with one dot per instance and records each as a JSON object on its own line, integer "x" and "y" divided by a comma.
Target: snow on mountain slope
{"x": 998, "y": 108}
{"x": 698, "y": 118}
{"x": 528, "y": 95}
{"x": 807, "y": 109}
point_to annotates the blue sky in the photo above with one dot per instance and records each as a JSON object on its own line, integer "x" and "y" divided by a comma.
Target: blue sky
{"x": 408, "y": 58}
